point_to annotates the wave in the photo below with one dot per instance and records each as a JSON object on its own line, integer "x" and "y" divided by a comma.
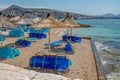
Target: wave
{"x": 110, "y": 58}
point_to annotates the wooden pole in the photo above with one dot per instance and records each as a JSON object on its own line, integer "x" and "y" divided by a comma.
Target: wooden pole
{"x": 1, "y": 38}
{"x": 49, "y": 41}
{"x": 71, "y": 31}
{"x": 67, "y": 34}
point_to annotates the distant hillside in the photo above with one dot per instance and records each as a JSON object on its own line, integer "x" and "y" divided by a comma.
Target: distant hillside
{"x": 108, "y": 16}
{"x": 15, "y": 10}
{"x": 41, "y": 12}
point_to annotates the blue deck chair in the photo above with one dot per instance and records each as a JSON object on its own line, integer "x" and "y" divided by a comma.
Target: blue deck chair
{"x": 75, "y": 39}
{"x": 68, "y": 47}
{"x": 41, "y": 35}
{"x": 2, "y": 37}
{"x": 59, "y": 63}
{"x": 71, "y": 38}
{"x": 8, "y": 52}
{"x": 37, "y": 35}
{"x": 24, "y": 43}
{"x": 55, "y": 43}
{"x": 28, "y": 39}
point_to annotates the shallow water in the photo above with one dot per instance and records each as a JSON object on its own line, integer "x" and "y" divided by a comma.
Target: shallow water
{"x": 106, "y": 34}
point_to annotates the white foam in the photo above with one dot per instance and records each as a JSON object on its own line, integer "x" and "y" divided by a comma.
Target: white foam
{"x": 100, "y": 46}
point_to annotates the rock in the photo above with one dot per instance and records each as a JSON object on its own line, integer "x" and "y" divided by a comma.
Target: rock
{"x": 9, "y": 72}
{"x": 84, "y": 25}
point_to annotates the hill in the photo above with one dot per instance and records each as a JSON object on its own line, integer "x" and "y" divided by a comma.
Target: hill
{"x": 41, "y": 12}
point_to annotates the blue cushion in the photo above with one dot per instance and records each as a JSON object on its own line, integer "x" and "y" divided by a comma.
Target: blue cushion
{"x": 76, "y": 39}
{"x": 71, "y": 38}
{"x": 23, "y": 43}
{"x": 37, "y": 35}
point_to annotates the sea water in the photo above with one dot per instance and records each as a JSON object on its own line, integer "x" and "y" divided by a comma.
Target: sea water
{"x": 106, "y": 34}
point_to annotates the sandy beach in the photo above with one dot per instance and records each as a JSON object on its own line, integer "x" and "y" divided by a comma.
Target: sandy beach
{"x": 83, "y": 63}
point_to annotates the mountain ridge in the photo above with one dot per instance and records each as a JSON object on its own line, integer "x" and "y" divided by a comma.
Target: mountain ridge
{"x": 16, "y": 10}
{"x": 41, "y": 12}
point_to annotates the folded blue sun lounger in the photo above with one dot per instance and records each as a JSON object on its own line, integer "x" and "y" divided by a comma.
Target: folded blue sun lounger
{"x": 71, "y": 38}
{"x": 16, "y": 32}
{"x": 28, "y": 39}
{"x": 55, "y": 43}
{"x": 68, "y": 47}
{"x": 24, "y": 43}
{"x": 75, "y": 39}
{"x": 8, "y": 52}
{"x": 44, "y": 30}
{"x": 37, "y": 35}
{"x": 50, "y": 62}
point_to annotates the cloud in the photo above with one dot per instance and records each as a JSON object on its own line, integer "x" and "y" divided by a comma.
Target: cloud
{"x": 3, "y": 6}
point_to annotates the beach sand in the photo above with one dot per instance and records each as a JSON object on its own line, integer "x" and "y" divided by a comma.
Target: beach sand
{"x": 83, "y": 63}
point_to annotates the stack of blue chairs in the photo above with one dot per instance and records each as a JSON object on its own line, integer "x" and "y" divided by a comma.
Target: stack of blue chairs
{"x": 37, "y": 35}
{"x": 8, "y": 52}
{"x": 71, "y": 38}
{"x": 24, "y": 43}
{"x": 2, "y": 38}
{"x": 50, "y": 62}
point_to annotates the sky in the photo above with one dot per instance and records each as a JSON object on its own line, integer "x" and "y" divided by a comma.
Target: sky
{"x": 88, "y": 7}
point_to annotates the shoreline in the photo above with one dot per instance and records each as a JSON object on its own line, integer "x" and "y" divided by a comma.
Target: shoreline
{"x": 99, "y": 67}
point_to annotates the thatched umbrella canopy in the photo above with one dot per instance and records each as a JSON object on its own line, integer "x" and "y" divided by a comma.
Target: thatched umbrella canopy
{"x": 37, "y": 19}
{"x": 49, "y": 22}
{"x": 70, "y": 22}
{"x": 4, "y": 24}
{"x": 14, "y": 19}
{"x": 23, "y": 20}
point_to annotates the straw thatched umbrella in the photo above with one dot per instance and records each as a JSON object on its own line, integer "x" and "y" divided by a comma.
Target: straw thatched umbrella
{"x": 70, "y": 22}
{"x": 49, "y": 22}
{"x": 23, "y": 20}
{"x": 37, "y": 19}
{"x": 14, "y": 19}
{"x": 4, "y": 24}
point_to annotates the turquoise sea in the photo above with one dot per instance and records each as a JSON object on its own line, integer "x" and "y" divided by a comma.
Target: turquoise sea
{"x": 106, "y": 34}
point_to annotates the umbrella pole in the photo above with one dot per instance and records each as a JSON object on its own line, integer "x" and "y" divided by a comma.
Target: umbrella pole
{"x": 67, "y": 34}
{"x": 71, "y": 31}
{"x": 1, "y": 38}
{"x": 49, "y": 42}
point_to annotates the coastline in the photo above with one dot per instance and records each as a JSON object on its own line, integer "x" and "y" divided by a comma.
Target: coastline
{"x": 99, "y": 67}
